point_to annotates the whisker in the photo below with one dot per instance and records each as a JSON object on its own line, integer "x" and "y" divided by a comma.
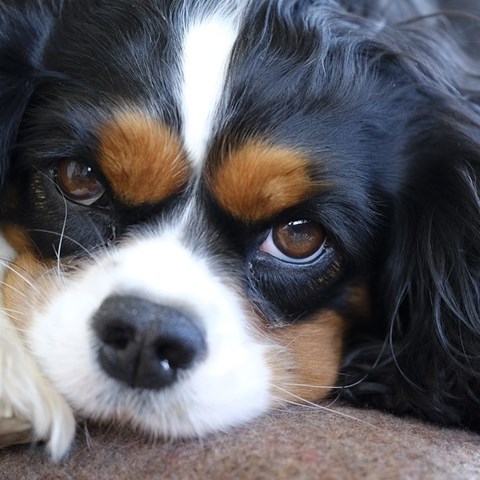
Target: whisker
{"x": 15, "y": 327}
{"x": 16, "y": 290}
{"x": 88, "y": 437}
{"x": 16, "y": 319}
{"x": 97, "y": 231}
{"x": 319, "y": 387}
{"x": 66, "y": 237}
{"x": 325, "y": 387}
{"x": 62, "y": 233}
{"x": 334, "y": 401}
{"x": 11, "y": 310}
{"x": 28, "y": 282}
{"x": 310, "y": 404}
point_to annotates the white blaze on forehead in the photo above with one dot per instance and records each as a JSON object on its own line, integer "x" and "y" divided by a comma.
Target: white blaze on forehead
{"x": 207, "y": 48}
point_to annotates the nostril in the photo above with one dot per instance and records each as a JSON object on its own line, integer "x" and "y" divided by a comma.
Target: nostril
{"x": 117, "y": 334}
{"x": 174, "y": 354}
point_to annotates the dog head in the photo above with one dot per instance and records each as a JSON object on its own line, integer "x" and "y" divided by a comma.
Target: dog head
{"x": 209, "y": 203}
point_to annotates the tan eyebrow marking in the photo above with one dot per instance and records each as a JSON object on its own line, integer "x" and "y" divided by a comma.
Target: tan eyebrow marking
{"x": 142, "y": 158}
{"x": 259, "y": 180}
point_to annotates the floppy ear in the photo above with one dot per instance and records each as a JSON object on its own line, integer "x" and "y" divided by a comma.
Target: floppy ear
{"x": 427, "y": 297}
{"x": 23, "y": 34}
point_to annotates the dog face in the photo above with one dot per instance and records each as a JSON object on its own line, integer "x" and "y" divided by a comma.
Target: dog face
{"x": 170, "y": 249}
{"x": 204, "y": 199}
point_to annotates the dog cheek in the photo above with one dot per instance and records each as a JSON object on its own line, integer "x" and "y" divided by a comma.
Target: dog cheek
{"x": 26, "y": 288}
{"x": 307, "y": 367}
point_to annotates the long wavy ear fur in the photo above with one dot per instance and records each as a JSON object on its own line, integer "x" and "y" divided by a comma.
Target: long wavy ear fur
{"x": 426, "y": 360}
{"x": 422, "y": 355}
{"x": 24, "y": 30}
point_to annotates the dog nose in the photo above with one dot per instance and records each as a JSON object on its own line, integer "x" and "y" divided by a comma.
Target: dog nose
{"x": 145, "y": 344}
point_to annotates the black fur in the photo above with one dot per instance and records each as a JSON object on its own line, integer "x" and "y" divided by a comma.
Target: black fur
{"x": 383, "y": 93}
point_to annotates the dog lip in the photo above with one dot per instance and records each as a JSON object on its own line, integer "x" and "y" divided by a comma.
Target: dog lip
{"x": 144, "y": 344}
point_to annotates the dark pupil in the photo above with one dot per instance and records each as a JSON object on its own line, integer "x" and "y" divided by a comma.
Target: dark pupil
{"x": 298, "y": 239}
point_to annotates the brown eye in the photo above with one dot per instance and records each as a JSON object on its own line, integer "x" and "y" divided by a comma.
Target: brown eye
{"x": 299, "y": 241}
{"x": 78, "y": 182}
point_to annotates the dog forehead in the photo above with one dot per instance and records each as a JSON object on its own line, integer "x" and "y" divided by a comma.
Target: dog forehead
{"x": 147, "y": 161}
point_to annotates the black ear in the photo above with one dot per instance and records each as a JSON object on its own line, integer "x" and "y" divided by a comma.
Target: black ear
{"x": 24, "y": 30}
{"x": 426, "y": 300}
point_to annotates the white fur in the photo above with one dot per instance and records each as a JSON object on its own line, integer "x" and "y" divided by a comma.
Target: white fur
{"x": 229, "y": 387}
{"x": 206, "y": 52}
{"x": 27, "y": 398}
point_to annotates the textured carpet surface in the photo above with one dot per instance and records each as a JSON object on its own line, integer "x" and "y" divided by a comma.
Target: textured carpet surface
{"x": 289, "y": 444}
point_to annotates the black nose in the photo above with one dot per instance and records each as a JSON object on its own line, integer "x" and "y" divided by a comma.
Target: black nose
{"x": 145, "y": 344}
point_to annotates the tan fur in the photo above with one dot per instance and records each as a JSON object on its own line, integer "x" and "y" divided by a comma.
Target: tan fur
{"x": 24, "y": 279}
{"x": 23, "y": 287}
{"x": 17, "y": 237}
{"x": 360, "y": 301}
{"x": 259, "y": 180}
{"x": 307, "y": 367}
{"x": 142, "y": 158}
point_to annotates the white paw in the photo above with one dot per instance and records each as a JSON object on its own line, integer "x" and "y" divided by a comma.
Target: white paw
{"x": 29, "y": 405}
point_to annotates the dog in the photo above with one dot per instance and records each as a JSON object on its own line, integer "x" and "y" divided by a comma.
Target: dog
{"x": 212, "y": 208}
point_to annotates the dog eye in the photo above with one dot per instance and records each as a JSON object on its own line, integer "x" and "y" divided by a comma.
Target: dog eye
{"x": 299, "y": 241}
{"x": 78, "y": 182}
